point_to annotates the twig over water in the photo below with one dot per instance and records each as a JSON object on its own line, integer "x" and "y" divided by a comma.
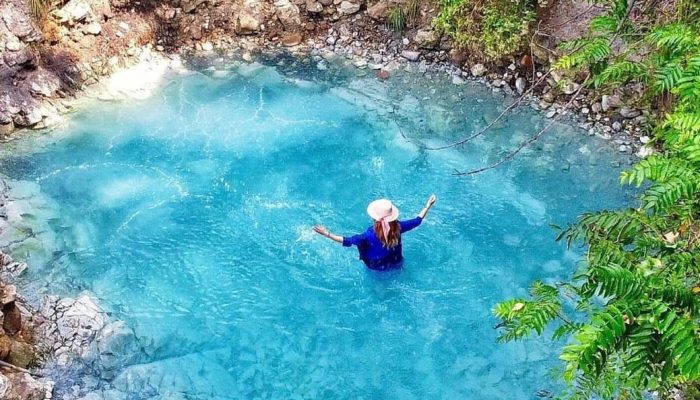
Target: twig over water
{"x": 532, "y": 139}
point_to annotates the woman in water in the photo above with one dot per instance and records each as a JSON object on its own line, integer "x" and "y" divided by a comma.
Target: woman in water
{"x": 380, "y": 244}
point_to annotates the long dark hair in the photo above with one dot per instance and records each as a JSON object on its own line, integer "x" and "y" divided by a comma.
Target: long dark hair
{"x": 393, "y": 238}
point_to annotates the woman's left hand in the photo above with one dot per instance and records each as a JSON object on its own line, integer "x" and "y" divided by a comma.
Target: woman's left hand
{"x": 320, "y": 229}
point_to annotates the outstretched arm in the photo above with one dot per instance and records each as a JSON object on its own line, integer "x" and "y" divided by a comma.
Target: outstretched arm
{"x": 431, "y": 200}
{"x": 321, "y": 230}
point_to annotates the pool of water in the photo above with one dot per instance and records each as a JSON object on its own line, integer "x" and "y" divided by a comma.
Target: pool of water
{"x": 188, "y": 216}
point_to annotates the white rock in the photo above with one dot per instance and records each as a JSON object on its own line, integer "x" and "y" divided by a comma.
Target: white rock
{"x": 207, "y": 46}
{"x": 520, "y": 85}
{"x": 644, "y": 151}
{"x": 13, "y": 45}
{"x": 644, "y": 139}
{"x": 617, "y": 126}
{"x": 457, "y": 80}
{"x": 93, "y": 29}
{"x": 347, "y": 8}
{"x": 478, "y": 70}
{"x": 75, "y": 10}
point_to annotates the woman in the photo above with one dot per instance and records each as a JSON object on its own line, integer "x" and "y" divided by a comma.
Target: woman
{"x": 380, "y": 244}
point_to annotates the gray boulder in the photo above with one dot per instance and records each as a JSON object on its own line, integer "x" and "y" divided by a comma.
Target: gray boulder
{"x": 410, "y": 55}
{"x": 348, "y": 7}
{"x": 629, "y": 112}
{"x": 247, "y": 23}
{"x": 19, "y": 23}
{"x": 609, "y": 102}
{"x": 425, "y": 39}
{"x": 288, "y": 14}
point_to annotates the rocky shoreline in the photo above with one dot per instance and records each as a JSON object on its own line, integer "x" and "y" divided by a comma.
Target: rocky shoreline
{"x": 84, "y": 49}
{"x": 312, "y": 31}
{"x": 52, "y": 332}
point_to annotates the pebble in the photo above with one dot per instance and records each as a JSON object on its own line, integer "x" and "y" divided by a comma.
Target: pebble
{"x": 330, "y": 40}
{"x": 644, "y": 139}
{"x": 551, "y": 114}
{"x": 457, "y": 80}
{"x": 617, "y": 126}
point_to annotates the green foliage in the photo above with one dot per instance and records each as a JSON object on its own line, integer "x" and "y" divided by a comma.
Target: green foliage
{"x": 396, "y": 19}
{"x": 636, "y": 296}
{"x": 491, "y": 28}
{"x": 400, "y": 16}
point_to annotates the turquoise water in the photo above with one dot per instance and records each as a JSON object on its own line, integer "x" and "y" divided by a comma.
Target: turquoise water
{"x": 189, "y": 215}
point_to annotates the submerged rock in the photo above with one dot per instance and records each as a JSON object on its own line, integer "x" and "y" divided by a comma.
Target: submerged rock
{"x": 73, "y": 325}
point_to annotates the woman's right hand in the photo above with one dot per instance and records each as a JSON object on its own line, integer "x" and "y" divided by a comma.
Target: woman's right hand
{"x": 431, "y": 200}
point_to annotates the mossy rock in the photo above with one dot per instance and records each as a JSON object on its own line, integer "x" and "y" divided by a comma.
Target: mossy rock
{"x": 21, "y": 354}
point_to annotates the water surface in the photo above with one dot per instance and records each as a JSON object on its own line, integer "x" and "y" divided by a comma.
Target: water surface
{"x": 188, "y": 215}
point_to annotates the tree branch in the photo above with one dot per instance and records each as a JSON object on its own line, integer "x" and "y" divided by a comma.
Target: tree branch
{"x": 532, "y": 139}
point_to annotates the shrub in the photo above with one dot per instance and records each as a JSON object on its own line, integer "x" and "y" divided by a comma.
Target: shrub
{"x": 635, "y": 323}
{"x": 490, "y": 28}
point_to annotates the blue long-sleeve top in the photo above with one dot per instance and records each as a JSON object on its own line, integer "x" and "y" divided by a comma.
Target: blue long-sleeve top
{"x": 372, "y": 251}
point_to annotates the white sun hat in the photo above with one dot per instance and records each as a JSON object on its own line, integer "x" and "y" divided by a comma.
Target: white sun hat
{"x": 383, "y": 209}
